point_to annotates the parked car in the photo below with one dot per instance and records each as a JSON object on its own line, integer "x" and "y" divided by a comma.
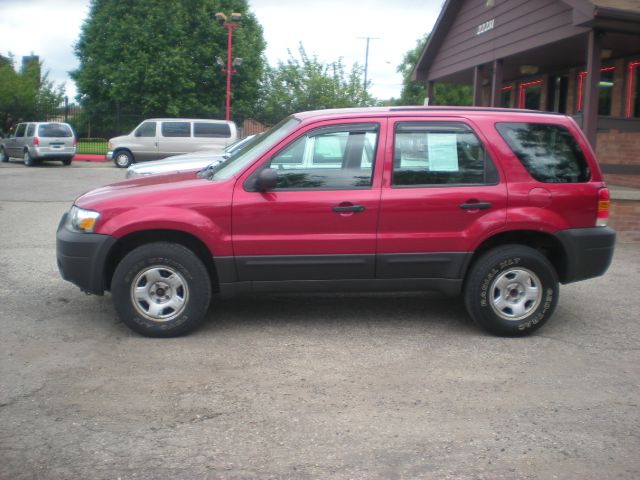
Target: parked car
{"x": 163, "y": 137}
{"x": 188, "y": 161}
{"x": 34, "y": 142}
{"x": 500, "y": 206}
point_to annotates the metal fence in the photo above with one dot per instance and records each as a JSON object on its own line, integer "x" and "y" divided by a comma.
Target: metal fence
{"x": 93, "y": 146}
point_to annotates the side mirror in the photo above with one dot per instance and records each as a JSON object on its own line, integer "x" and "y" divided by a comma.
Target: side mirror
{"x": 267, "y": 180}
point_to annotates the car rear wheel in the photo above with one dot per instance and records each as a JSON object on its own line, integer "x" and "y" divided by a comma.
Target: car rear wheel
{"x": 161, "y": 290}
{"x": 28, "y": 159}
{"x": 511, "y": 290}
{"x": 66, "y": 161}
{"x": 123, "y": 159}
{"x": 3, "y": 155}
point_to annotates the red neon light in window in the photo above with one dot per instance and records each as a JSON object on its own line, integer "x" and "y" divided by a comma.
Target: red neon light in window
{"x": 508, "y": 87}
{"x": 521, "y": 92}
{"x": 632, "y": 67}
{"x": 581, "y": 76}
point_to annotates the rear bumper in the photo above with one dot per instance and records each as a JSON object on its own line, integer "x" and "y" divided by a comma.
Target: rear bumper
{"x": 81, "y": 258}
{"x": 589, "y": 252}
{"x": 47, "y": 152}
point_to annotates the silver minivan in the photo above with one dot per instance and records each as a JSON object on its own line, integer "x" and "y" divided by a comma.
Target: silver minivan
{"x": 37, "y": 141}
{"x": 163, "y": 137}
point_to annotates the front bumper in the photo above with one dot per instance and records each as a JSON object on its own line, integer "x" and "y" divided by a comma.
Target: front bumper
{"x": 81, "y": 258}
{"x": 109, "y": 155}
{"x": 589, "y": 252}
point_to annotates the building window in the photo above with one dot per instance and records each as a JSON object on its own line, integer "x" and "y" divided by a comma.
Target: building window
{"x": 505, "y": 101}
{"x": 633, "y": 91}
{"x": 529, "y": 95}
{"x": 605, "y": 90}
{"x": 557, "y": 91}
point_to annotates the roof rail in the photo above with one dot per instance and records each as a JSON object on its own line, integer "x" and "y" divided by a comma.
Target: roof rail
{"x": 475, "y": 109}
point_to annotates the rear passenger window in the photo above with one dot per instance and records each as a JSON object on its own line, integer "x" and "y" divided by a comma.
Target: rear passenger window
{"x": 20, "y": 130}
{"x": 548, "y": 152}
{"x": 30, "y": 130}
{"x": 328, "y": 159}
{"x": 176, "y": 129}
{"x": 439, "y": 153}
{"x": 214, "y": 130}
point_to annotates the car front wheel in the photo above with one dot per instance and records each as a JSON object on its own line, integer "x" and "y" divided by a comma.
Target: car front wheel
{"x": 161, "y": 290}
{"x": 123, "y": 159}
{"x": 511, "y": 290}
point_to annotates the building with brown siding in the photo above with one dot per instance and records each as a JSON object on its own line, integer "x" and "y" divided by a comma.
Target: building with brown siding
{"x": 578, "y": 57}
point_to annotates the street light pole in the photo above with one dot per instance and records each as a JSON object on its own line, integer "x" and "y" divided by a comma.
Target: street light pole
{"x": 366, "y": 59}
{"x": 223, "y": 18}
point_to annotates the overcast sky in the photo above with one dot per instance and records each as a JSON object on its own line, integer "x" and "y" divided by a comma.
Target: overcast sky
{"x": 328, "y": 28}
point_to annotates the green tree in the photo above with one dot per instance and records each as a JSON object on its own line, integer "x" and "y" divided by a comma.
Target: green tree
{"x": 158, "y": 58}
{"x": 26, "y": 94}
{"x": 304, "y": 83}
{"x": 414, "y": 93}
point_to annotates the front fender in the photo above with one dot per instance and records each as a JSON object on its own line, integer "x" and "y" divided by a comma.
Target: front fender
{"x": 215, "y": 235}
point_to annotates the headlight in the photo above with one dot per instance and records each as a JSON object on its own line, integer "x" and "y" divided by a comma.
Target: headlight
{"x": 110, "y": 146}
{"x": 80, "y": 220}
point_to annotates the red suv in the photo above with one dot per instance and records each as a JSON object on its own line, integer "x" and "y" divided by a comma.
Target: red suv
{"x": 497, "y": 205}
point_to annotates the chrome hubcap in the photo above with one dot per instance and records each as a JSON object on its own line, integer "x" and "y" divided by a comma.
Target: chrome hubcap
{"x": 122, "y": 160}
{"x": 515, "y": 293}
{"x": 159, "y": 293}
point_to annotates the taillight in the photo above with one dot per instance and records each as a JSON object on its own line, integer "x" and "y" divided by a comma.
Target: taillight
{"x": 75, "y": 141}
{"x": 36, "y": 142}
{"x": 602, "y": 215}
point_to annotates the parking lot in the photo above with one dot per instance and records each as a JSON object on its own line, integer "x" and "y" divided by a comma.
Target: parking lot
{"x": 303, "y": 386}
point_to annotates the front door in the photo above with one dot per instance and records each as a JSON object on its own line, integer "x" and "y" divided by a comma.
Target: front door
{"x": 319, "y": 223}
{"x": 441, "y": 193}
{"x": 145, "y": 142}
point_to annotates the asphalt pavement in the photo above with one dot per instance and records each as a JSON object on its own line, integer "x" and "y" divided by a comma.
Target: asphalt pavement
{"x": 354, "y": 386}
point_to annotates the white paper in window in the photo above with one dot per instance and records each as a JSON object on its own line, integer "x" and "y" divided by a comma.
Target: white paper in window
{"x": 443, "y": 152}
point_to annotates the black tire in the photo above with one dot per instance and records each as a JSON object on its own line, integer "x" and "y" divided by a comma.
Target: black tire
{"x": 161, "y": 305}
{"x": 28, "y": 159}
{"x": 66, "y": 161}
{"x": 3, "y": 156}
{"x": 123, "y": 158}
{"x": 511, "y": 290}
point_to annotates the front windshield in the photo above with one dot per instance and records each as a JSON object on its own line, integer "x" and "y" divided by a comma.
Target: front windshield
{"x": 247, "y": 154}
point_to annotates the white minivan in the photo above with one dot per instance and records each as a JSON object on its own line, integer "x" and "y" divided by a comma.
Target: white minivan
{"x": 163, "y": 137}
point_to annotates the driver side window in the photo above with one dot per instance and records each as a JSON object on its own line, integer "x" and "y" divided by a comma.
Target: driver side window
{"x": 147, "y": 129}
{"x": 328, "y": 159}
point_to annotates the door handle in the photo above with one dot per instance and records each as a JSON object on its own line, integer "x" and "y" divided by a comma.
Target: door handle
{"x": 475, "y": 205}
{"x": 348, "y": 208}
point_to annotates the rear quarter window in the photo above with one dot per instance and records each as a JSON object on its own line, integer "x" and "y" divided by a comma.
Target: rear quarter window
{"x": 212, "y": 130}
{"x": 54, "y": 130}
{"x": 548, "y": 152}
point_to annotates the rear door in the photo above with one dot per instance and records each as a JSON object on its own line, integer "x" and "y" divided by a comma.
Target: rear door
{"x": 319, "y": 223}
{"x": 175, "y": 138}
{"x": 15, "y": 144}
{"x": 55, "y": 138}
{"x": 441, "y": 193}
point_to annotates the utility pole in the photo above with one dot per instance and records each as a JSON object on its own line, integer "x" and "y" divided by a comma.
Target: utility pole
{"x": 366, "y": 59}
{"x": 222, "y": 18}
